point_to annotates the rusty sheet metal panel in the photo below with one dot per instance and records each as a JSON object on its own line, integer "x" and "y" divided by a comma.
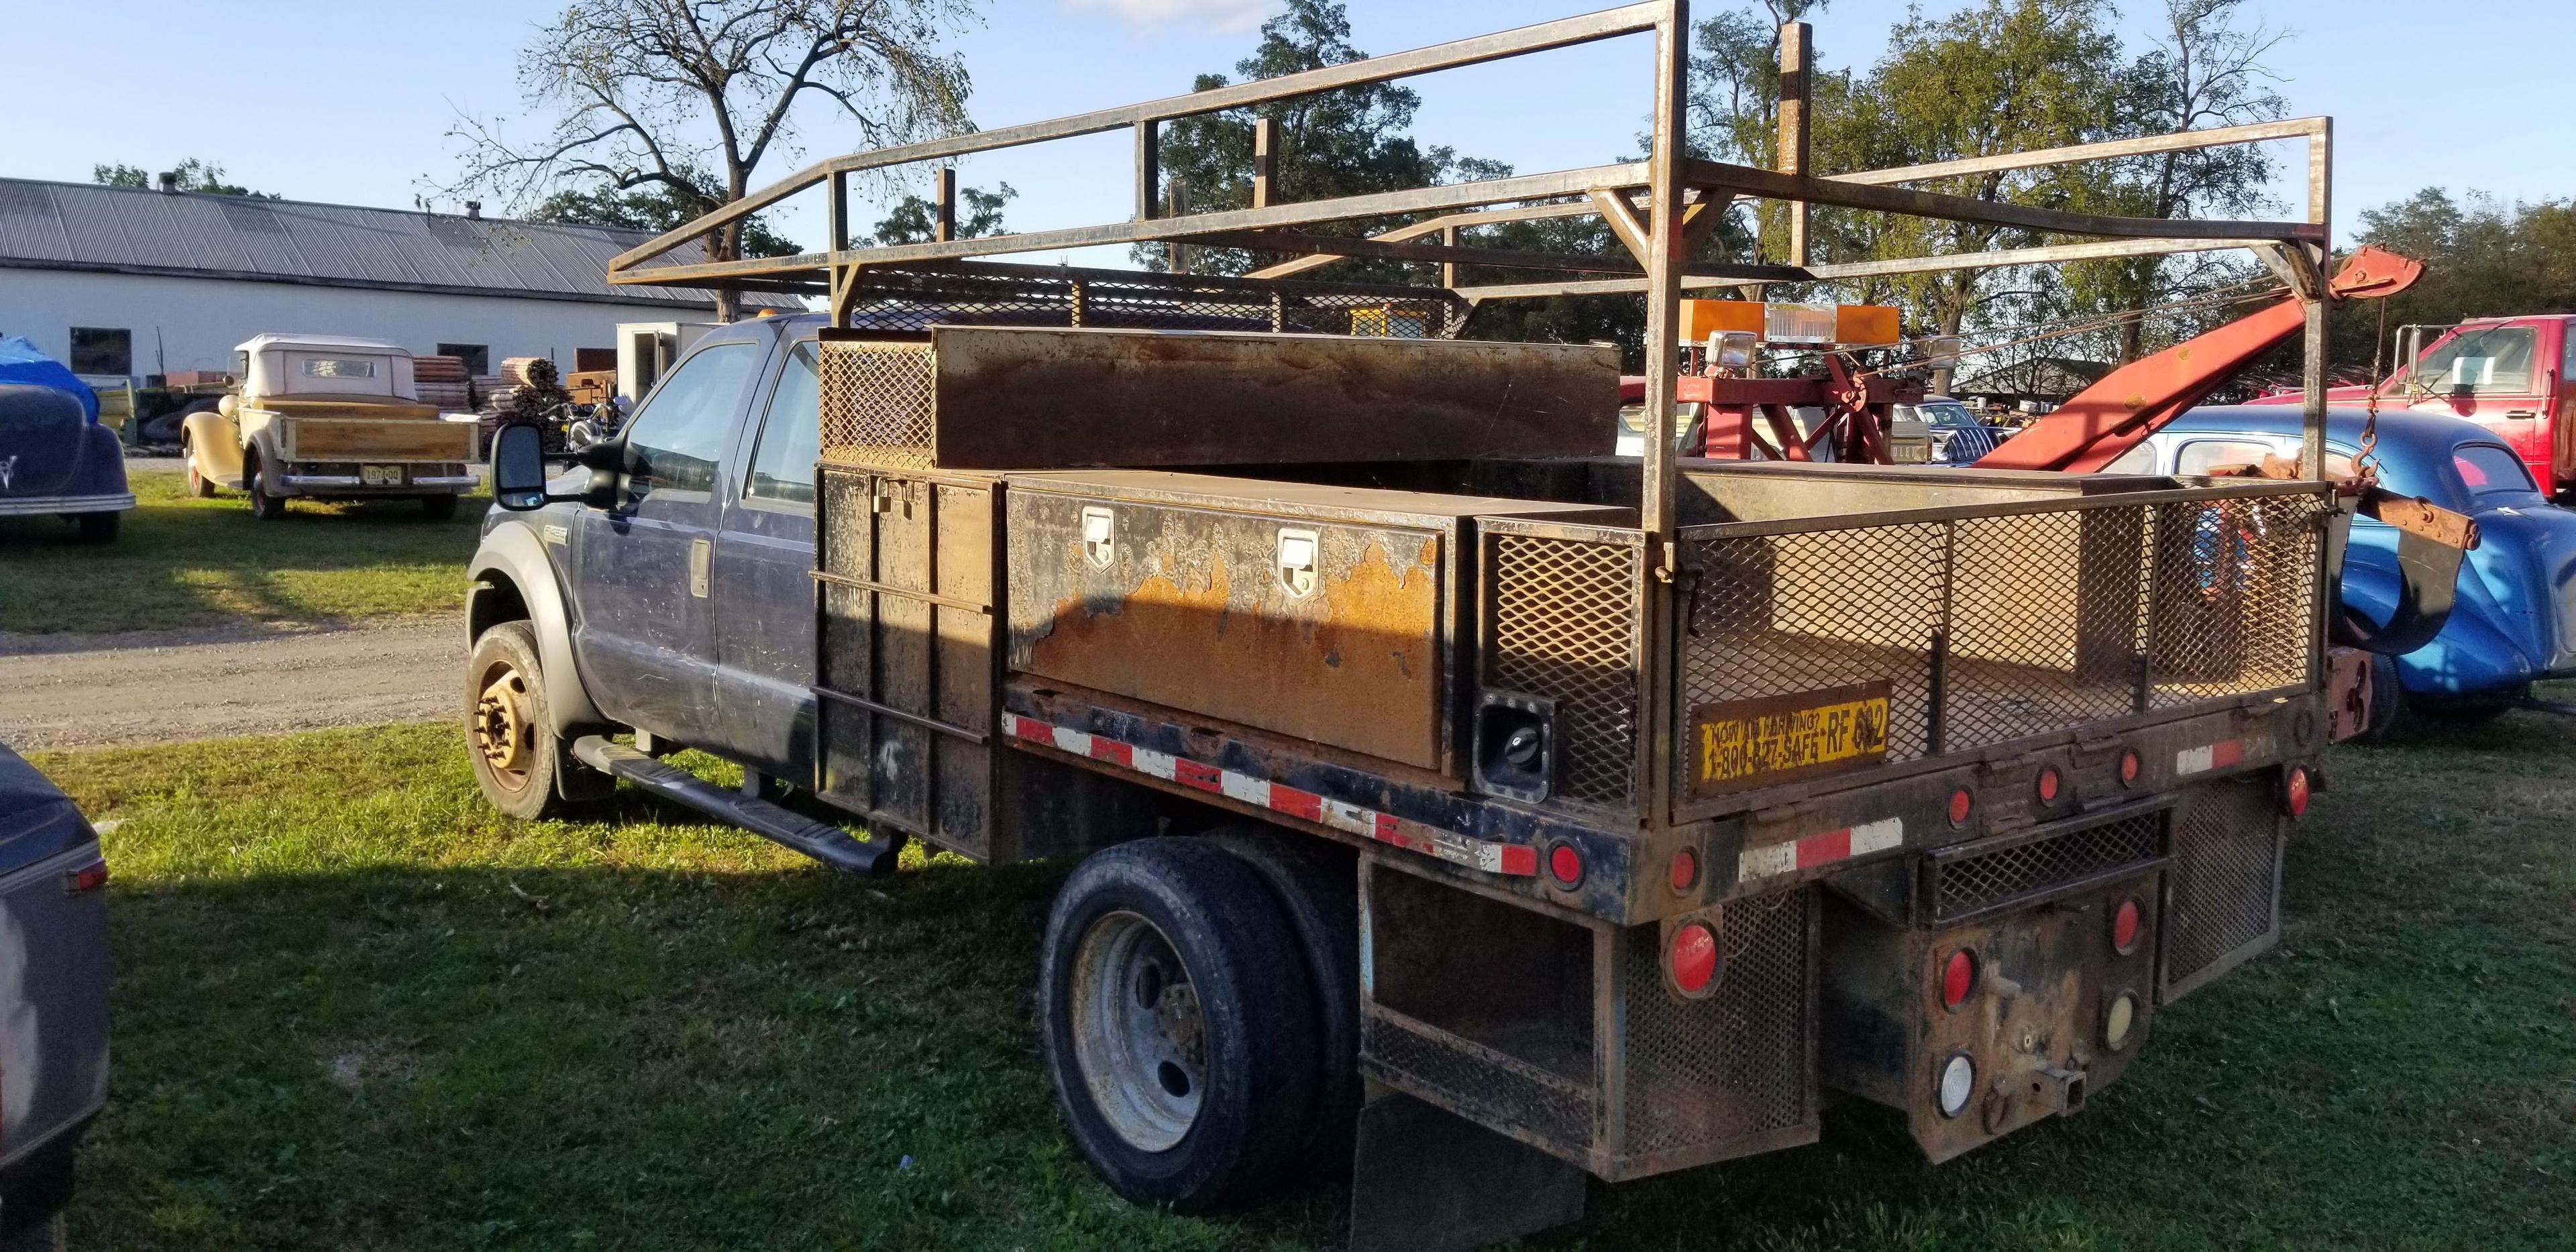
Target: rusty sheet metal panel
{"x": 1988, "y": 625}
{"x": 908, "y": 635}
{"x": 1194, "y": 609}
{"x": 1328, "y": 613}
{"x": 356, "y": 439}
{"x": 1571, "y": 1037}
{"x": 982, "y": 397}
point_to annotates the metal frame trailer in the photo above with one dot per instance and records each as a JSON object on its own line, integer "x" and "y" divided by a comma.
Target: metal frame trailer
{"x": 1677, "y": 793}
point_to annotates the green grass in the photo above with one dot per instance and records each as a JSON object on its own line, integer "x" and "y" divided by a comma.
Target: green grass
{"x": 182, "y": 562}
{"x": 356, "y": 1010}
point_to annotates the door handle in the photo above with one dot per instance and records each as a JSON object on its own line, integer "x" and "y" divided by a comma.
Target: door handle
{"x": 699, "y": 552}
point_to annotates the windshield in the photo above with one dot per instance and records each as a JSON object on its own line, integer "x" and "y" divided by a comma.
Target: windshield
{"x": 2492, "y": 472}
{"x": 1950, "y": 414}
{"x": 2491, "y": 360}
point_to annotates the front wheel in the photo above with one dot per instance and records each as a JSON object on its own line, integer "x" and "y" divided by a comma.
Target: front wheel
{"x": 198, "y": 484}
{"x": 521, "y": 764}
{"x": 1179, "y": 1024}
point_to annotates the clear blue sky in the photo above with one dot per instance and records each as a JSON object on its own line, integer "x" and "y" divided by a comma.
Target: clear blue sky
{"x": 348, "y": 102}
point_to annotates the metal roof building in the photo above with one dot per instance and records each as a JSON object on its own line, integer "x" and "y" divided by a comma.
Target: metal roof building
{"x": 170, "y": 281}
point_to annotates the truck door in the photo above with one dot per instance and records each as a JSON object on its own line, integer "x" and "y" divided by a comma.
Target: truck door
{"x": 2561, "y": 432}
{"x": 764, "y": 586}
{"x": 645, "y": 565}
{"x": 2491, "y": 374}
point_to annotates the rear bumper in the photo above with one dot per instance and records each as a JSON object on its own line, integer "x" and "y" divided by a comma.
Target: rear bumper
{"x": 42, "y": 506}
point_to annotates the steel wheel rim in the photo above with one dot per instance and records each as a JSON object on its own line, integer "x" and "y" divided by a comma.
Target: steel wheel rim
{"x": 504, "y": 733}
{"x": 1139, "y": 1038}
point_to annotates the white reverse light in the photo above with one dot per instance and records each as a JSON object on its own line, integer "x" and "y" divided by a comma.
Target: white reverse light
{"x": 1958, "y": 1082}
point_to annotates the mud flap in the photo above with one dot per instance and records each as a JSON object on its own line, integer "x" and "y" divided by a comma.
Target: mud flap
{"x": 2431, "y": 544}
{"x": 1425, "y": 1180}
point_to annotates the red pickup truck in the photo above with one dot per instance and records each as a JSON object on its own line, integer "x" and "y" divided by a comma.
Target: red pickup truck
{"x": 2508, "y": 374}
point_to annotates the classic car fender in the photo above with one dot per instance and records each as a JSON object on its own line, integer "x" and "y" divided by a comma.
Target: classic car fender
{"x": 511, "y": 577}
{"x": 215, "y": 440}
{"x": 2471, "y": 655}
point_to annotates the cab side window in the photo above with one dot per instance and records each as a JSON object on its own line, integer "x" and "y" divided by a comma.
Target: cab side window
{"x": 681, "y": 431}
{"x": 782, "y": 468}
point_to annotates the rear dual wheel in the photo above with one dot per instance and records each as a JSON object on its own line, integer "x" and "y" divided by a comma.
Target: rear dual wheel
{"x": 1180, "y": 1024}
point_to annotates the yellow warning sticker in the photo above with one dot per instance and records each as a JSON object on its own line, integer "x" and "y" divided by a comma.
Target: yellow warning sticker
{"x": 1755, "y": 743}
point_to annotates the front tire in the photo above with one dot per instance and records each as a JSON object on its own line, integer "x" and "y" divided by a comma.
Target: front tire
{"x": 1179, "y": 1024}
{"x": 199, "y": 485}
{"x": 524, "y": 768}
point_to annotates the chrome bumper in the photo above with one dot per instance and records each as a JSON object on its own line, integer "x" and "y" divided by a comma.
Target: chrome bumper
{"x": 307, "y": 482}
{"x": 40, "y": 506}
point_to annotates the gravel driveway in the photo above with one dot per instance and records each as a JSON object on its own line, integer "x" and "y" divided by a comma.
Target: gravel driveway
{"x": 60, "y": 691}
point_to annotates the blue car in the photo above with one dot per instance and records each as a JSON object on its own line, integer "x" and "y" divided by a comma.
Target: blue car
{"x": 55, "y": 458}
{"x": 2515, "y": 618}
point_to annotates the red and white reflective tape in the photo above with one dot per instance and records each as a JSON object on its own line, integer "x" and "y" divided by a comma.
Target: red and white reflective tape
{"x": 2209, "y": 756}
{"x": 1490, "y": 855}
{"x": 1773, "y": 859}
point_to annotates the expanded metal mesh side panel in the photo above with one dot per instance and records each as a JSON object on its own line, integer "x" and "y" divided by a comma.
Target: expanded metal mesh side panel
{"x": 1775, "y": 615}
{"x": 1561, "y": 621}
{"x": 878, "y": 403}
{"x": 1700, "y": 1072}
{"x": 1487, "y": 1084}
{"x": 2225, "y": 878}
{"x": 2044, "y": 617}
{"x": 1976, "y": 880}
{"x": 2234, "y": 588}
{"x": 898, "y": 300}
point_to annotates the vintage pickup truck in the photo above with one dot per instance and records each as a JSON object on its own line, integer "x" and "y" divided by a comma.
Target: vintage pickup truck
{"x": 328, "y": 418}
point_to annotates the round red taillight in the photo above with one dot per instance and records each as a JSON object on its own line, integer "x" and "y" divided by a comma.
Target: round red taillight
{"x": 1565, "y": 864}
{"x": 1685, "y": 870}
{"x": 2124, "y": 927}
{"x": 2295, "y": 791}
{"x": 1694, "y": 958}
{"x": 1958, "y": 978}
{"x": 1961, "y": 805}
{"x": 2049, "y": 784}
{"x": 2130, "y": 768}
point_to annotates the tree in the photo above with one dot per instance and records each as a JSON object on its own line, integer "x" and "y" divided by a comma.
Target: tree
{"x": 916, "y": 220}
{"x": 647, "y": 94}
{"x": 1346, "y": 142}
{"x": 653, "y": 209}
{"x": 194, "y": 175}
{"x": 2481, "y": 259}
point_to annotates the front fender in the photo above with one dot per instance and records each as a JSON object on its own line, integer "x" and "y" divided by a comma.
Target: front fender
{"x": 2472, "y": 655}
{"x": 512, "y": 556}
{"x": 215, "y": 441}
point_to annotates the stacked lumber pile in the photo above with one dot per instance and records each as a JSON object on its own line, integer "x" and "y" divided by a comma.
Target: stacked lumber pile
{"x": 442, "y": 381}
{"x": 528, "y": 390}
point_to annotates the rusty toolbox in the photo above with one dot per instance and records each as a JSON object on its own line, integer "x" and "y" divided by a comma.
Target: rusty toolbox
{"x": 1329, "y": 613}
{"x": 996, "y": 397}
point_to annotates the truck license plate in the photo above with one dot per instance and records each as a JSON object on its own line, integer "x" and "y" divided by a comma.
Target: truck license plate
{"x": 381, "y": 475}
{"x": 1743, "y": 744}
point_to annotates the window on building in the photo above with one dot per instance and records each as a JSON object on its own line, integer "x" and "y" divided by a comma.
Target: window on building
{"x": 477, "y": 357}
{"x": 791, "y": 436}
{"x": 98, "y": 350}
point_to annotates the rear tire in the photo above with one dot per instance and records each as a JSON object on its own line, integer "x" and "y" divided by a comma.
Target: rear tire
{"x": 1316, "y": 884}
{"x": 265, "y": 507}
{"x": 524, "y": 768}
{"x": 1179, "y": 1024}
{"x": 439, "y": 508}
{"x": 98, "y": 527}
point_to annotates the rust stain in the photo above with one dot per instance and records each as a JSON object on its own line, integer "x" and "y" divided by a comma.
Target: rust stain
{"x": 1351, "y": 665}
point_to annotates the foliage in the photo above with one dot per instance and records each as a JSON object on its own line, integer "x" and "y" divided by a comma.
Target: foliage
{"x": 1347, "y": 142}
{"x": 179, "y": 561}
{"x": 916, "y": 220}
{"x": 655, "y": 209}
{"x": 194, "y": 175}
{"x": 2481, "y": 259}
{"x": 692, "y": 97}
{"x": 356, "y": 1009}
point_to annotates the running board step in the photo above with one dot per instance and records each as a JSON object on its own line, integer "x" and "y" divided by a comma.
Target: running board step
{"x": 822, "y": 841}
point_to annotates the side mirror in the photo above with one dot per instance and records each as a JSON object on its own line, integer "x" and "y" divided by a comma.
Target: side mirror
{"x": 518, "y": 468}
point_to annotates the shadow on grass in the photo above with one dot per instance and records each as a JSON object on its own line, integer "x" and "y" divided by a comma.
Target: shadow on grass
{"x": 182, "y": 562}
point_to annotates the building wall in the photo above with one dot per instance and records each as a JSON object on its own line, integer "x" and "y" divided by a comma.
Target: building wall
{"x": 197, "y": 320}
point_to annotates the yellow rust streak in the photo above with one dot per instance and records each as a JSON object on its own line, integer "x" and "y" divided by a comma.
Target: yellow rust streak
{"x": 1352, "y": 665}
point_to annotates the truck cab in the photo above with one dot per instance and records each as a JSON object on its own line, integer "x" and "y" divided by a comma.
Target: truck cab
{"x": 2507, "y": 374}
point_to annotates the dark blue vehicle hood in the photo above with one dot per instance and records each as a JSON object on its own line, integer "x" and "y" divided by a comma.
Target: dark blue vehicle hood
{"x": 37, "y": 821}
